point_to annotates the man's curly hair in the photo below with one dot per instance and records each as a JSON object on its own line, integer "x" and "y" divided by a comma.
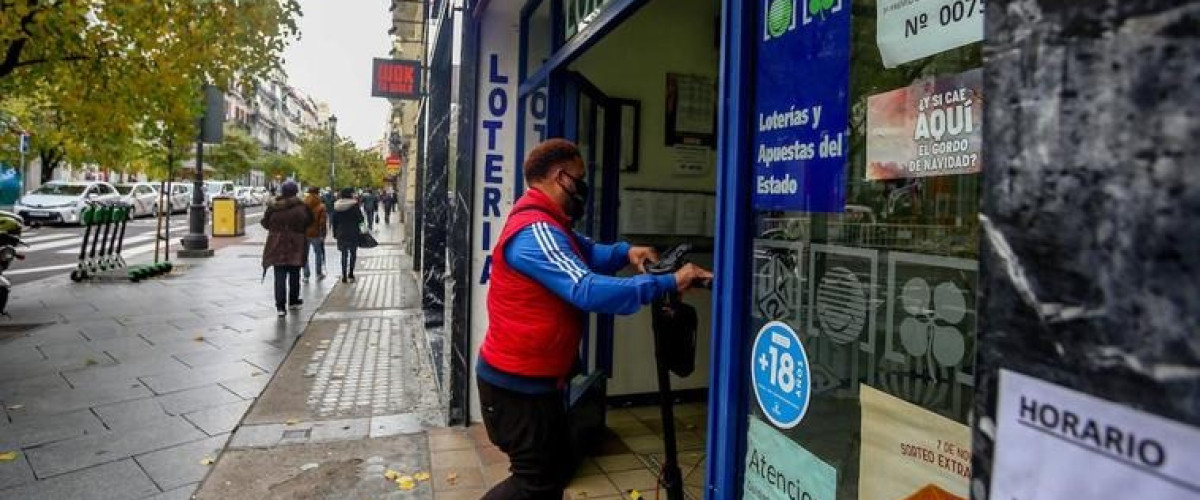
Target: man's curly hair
{"x": 547, "y": 155}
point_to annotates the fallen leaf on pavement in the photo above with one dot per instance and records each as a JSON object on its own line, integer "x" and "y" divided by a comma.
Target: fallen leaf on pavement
{"x": 16, "y": 407}
{"x": 255, "y": 374}
{"x": 405, "y": 483}
{"x": 451, "y": 478}
{"x": 291, "y": 421}
{"x": 421, "y": 476}
{"x": 635, "y": 495}
{"x": 199, "y": 338}
{"x": 391, "y": 475}
{"x": 90, "y": 362}
{"x": 8, "y": 456}
{"x": 309, "y": 466}
{"x": 207, "y": 461}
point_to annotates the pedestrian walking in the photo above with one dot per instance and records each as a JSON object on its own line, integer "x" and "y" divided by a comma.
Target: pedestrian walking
{"x": 389, "y": 204}
{"x": 328, "y": 198}
{"x": 315, "y": 234}
{"x": 286, "y": 219}
{"x": 370, "y": 205}
{"x": 545, "y": 277}
{"x": 347, "y": 226}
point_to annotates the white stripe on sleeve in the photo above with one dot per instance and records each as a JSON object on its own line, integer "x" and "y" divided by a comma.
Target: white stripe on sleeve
{"x": 550, "y": 254}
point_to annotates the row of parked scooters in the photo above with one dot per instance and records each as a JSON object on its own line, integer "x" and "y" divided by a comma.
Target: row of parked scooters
{"x": 104, "y": 225}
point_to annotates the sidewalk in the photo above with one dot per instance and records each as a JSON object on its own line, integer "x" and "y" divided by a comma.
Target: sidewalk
{"x": 350, "y": 402}
{"x": 121, "y": 390}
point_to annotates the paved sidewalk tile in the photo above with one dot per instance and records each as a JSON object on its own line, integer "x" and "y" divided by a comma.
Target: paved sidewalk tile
{"x": 247, "y": 387}
{"x": 181, "y": 493}
{"x": 172, "y": 382}
{"x": 79, "y": 453}
{"x": 131, "y": 413}
{"x": 176, "y": 466}
{"x": 48, "y": 429}
{"x": 15, "y": 473}
{"x": 121, "y": 480}
{"x": 65, "y": 400}
{"x": 219, "y": 420}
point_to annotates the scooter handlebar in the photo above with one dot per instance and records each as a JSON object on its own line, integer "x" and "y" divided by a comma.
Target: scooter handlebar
{"x": 673, "y": 260}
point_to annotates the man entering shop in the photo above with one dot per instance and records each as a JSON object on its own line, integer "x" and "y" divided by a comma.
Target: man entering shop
{"x": 545, "y": 278}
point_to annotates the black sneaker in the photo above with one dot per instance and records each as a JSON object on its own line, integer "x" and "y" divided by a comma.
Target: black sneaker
{"x": 281, "y": 312}
{"x": 344, "y": 280}
{"x": 352, "y": 278}
{"x": 296, "y": 305}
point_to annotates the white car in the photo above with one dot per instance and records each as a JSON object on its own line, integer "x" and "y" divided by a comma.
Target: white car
{"x": 214, "y": 189}
{"x": 262, "y": 194}
{"x": 181, "y": 196}
{"x": 61, "y": 202}
{"x": 245, "y": 196}
{"x": 142, "y": 195}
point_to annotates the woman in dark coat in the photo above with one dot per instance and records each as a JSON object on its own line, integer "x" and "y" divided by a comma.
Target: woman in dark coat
{"x": 347, "y": 221}
{"x": 286, "y": 218}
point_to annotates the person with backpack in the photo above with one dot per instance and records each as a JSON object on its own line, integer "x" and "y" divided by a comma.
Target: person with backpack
{"x": 347, "y": 222}
{"x": 389, "y": 204}
{"x": 286, "y": 220}
{"x": 315, "y": 234}
{"x": 370, "y": 205}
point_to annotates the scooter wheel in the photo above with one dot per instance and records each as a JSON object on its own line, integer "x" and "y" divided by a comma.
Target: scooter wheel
{"x": 76, "y": 276}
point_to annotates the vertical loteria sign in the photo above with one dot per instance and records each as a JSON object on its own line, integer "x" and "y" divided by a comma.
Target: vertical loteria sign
{"x": 495, "y": 162}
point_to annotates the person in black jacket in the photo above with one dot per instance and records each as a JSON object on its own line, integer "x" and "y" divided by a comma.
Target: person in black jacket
{"x": 347, "y": 221}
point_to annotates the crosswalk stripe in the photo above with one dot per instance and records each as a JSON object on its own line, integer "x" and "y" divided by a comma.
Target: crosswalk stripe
{"x": 78, "y": 238}
{"x": 124, "y": 247}
{"x": 139, "y": 250}
{"x": 47, "y": 237}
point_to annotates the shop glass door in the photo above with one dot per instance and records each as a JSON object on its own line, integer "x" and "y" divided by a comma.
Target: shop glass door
{"x": 862, "y": 333}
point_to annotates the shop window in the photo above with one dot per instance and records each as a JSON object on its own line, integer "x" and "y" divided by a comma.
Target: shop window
{"x": 865, "y": 263}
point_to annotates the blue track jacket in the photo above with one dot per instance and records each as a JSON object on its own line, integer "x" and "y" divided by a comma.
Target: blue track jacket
{"x": 543, "y": 253}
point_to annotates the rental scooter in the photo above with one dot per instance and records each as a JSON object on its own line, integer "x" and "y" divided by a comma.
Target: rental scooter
{"x": 674, "y": 324}
{"x": 10, "y": 239}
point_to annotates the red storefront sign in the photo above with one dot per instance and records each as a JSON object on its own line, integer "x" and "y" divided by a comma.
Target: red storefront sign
{"x": 396, "y": 79}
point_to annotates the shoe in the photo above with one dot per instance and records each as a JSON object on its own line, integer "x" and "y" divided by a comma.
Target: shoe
{"x": 306, "y": 278}
{"x": 344, "y": 280}
{"x": 320, "y": 276}
{"x": 281, "y": 312}
{"x": 296, "y": 305}
{"x": 352, "y": 278}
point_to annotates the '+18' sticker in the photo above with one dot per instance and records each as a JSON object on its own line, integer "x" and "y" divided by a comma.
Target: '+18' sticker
{"x": 782, "y": 383}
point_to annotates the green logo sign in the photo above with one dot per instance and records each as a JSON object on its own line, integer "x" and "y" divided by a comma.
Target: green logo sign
{"x": 820, "y": 7}
{"x": 781, "y": 17}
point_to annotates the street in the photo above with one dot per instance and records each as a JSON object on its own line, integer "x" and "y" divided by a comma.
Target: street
{"x": 54, "y": 250}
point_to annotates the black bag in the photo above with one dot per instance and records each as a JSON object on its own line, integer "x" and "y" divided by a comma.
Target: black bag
{"x": 365, "y": 240}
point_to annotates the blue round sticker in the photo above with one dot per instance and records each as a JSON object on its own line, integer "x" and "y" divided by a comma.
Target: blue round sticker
{"x": 782, "y": 381}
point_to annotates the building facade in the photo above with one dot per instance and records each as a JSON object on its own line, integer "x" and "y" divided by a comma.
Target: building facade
{"x": 275, "y": 114}
{"x": 942, "y": 270}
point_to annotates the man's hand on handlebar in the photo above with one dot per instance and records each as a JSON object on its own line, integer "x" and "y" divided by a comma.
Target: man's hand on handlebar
{"x": 640, "y": 256}
{"x": 691, "y": 275}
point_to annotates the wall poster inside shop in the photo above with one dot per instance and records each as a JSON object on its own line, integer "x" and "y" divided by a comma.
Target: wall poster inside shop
{"x": 908, "y": 30}
{"x": 909, "y": 452}
{"x": 779, "y": 469}
{"x": 1101, "y": 449}
{"x": 933, "y": 127}
{"x": 691, "y": 113}
{"x": 801, "y": 137}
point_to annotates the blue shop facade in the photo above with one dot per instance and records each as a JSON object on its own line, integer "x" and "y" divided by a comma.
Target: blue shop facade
{"x": 822, "y": 157}
{"x": 826, "y": 159}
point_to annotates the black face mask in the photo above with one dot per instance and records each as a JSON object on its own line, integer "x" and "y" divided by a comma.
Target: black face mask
{"x": 577, "y": 203}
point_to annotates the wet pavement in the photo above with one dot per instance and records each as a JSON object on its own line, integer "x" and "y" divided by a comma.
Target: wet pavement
{"x": 123, "y": 390}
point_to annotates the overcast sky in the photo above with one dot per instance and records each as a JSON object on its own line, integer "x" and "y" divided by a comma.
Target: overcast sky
{"x": 332, "y": 62}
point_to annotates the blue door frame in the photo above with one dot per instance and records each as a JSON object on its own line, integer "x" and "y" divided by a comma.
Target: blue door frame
{"x": 728, "y": 381}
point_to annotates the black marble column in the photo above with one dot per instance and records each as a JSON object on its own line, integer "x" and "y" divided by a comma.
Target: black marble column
{"x": 460, "y": 245}
{"x": 436, "y": 202}
{"x": 1091, "y": 231}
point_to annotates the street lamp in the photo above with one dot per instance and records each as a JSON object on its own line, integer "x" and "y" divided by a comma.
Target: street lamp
{"x": 332, "y": 138}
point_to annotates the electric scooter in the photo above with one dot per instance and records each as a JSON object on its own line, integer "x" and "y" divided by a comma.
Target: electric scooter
{"x": 674, "y": 324}
{"x": 10, "y": 239}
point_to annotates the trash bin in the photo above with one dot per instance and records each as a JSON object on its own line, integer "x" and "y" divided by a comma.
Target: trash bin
{"x": 228, "y": 217}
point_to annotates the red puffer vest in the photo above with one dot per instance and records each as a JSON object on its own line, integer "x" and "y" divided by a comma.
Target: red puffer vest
{"x": 531, "y": 331}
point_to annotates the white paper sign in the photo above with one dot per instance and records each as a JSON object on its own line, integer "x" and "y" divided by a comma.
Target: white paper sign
{"x": 1054, "y": 443}
{"x": 908, "y": 30}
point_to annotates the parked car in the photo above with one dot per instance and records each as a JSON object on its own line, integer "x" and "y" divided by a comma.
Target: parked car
{"x": 214, "y": 189}
{"x": 262, "y": 194}
{"x": 245, "y": 195}
{"x": 181, "y": 196}
{"x": 61, "y": 202}
{"x": 142, "y": 195}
